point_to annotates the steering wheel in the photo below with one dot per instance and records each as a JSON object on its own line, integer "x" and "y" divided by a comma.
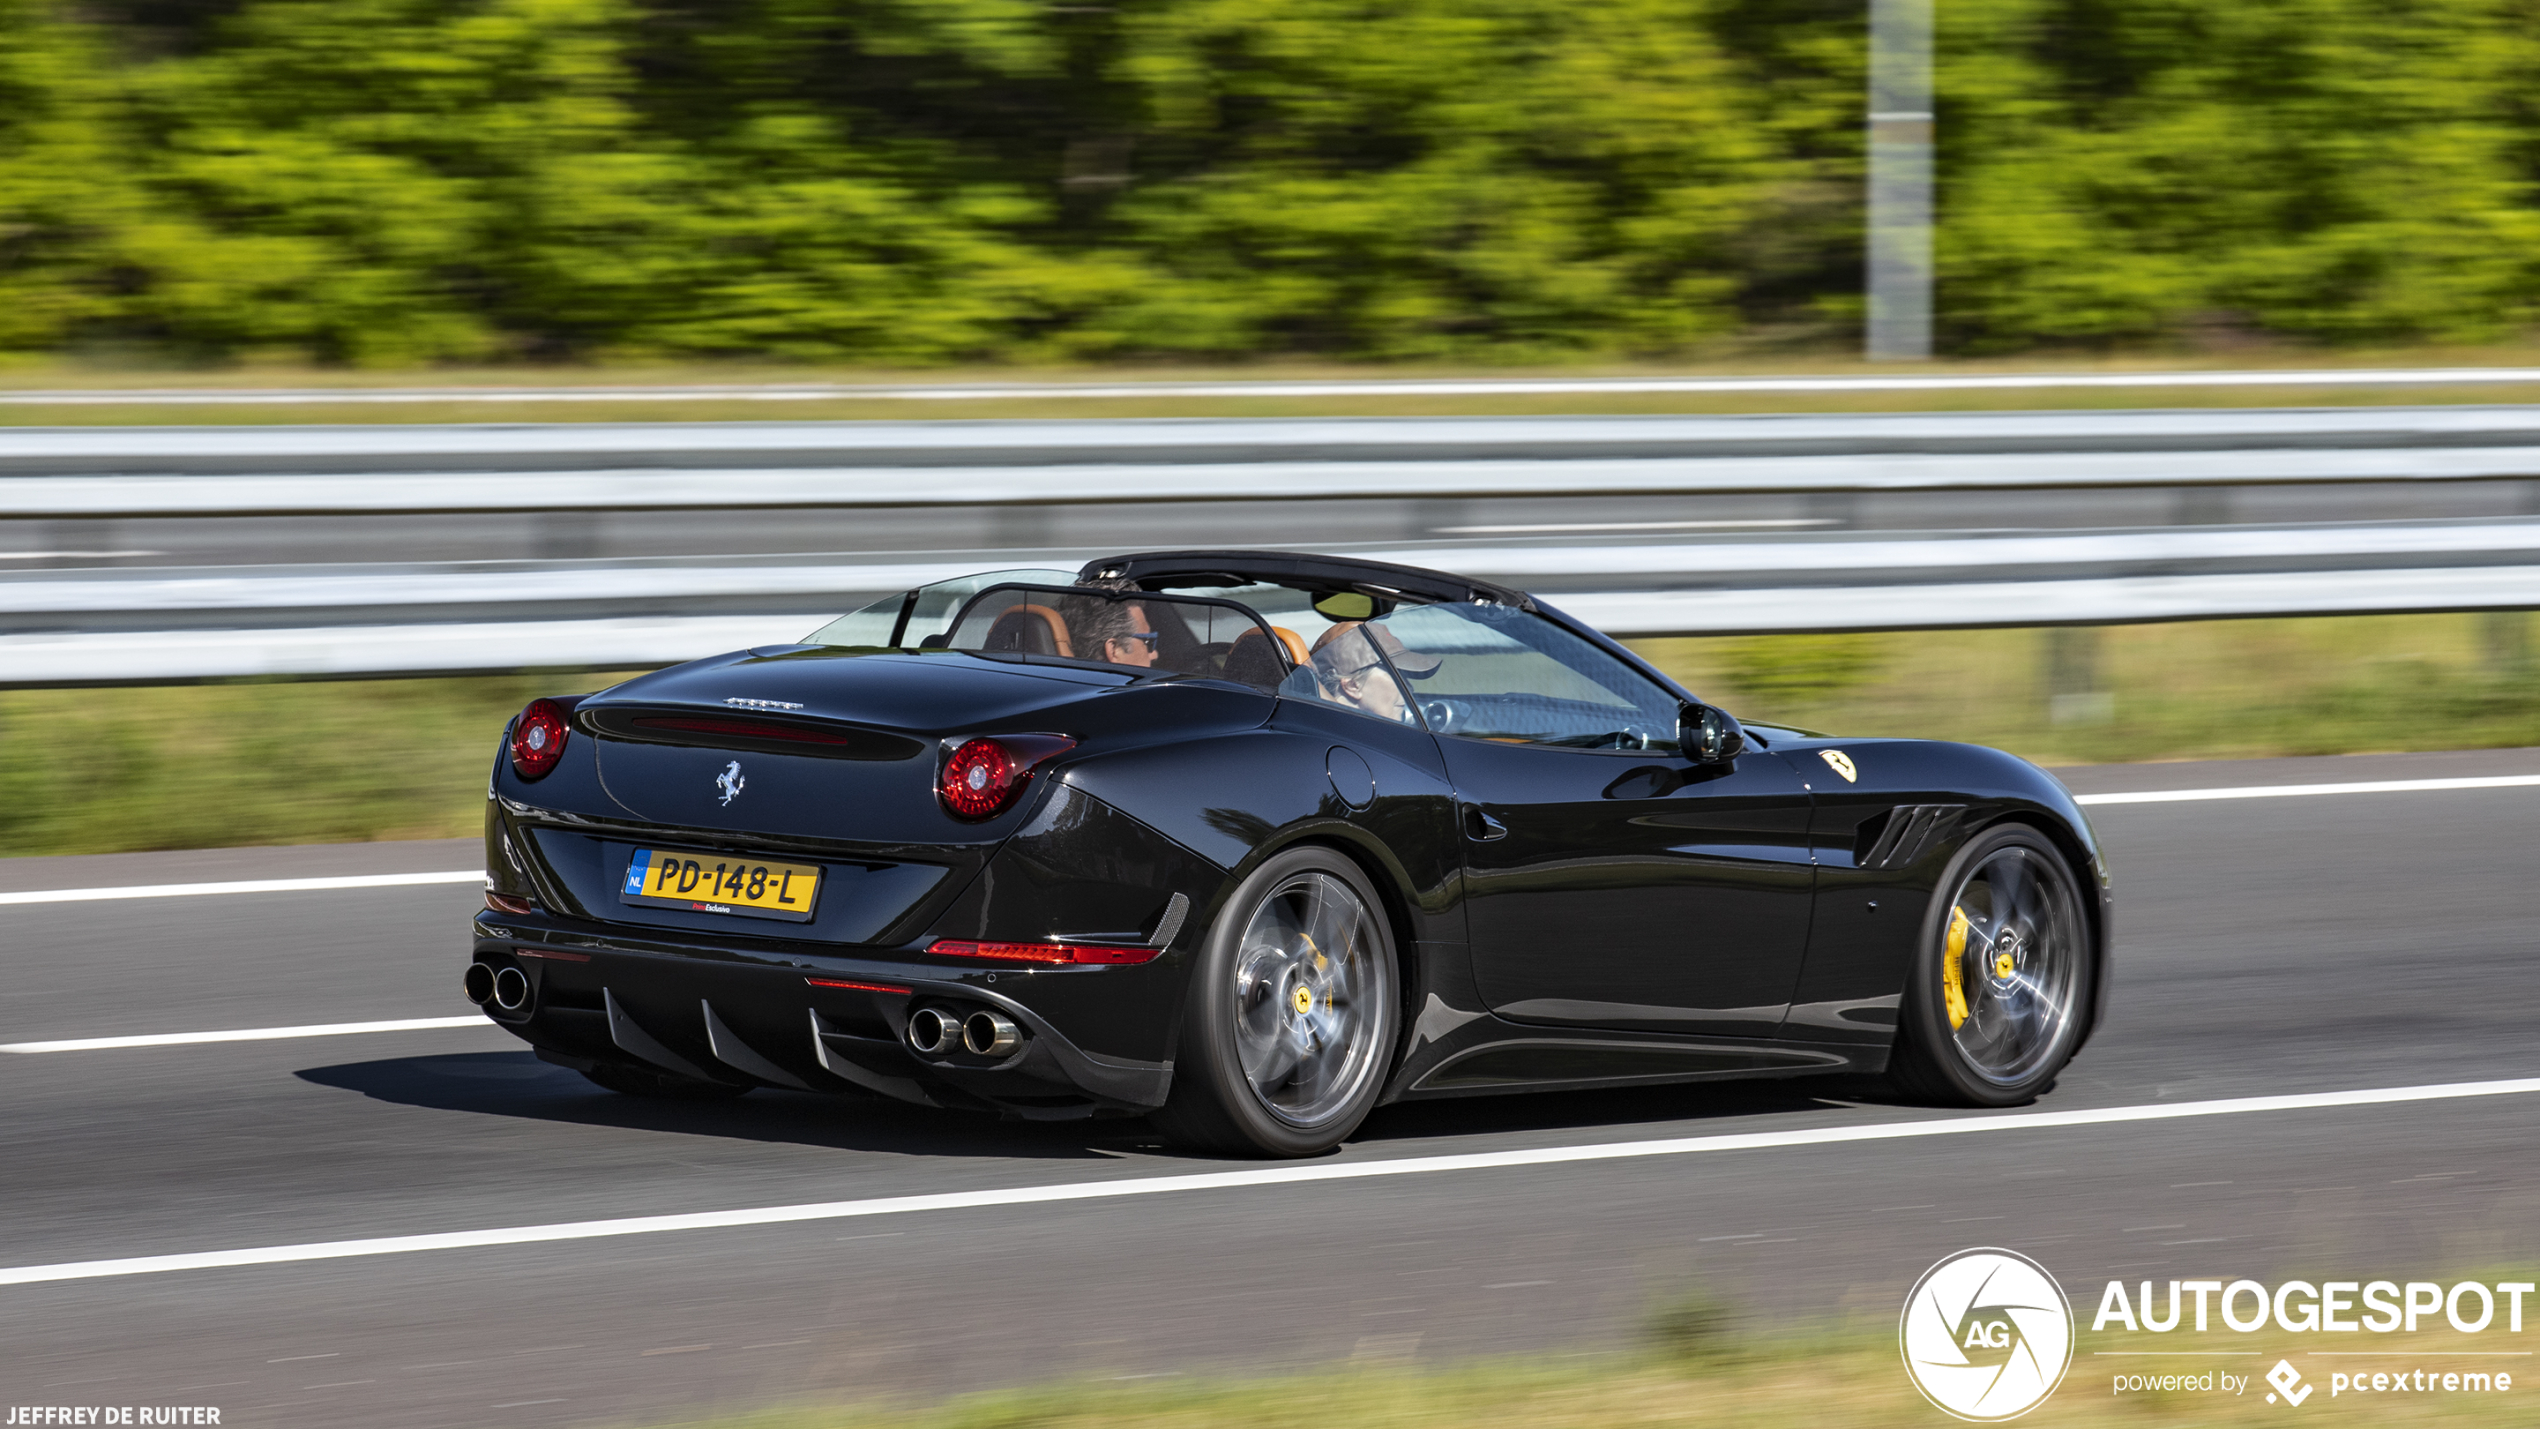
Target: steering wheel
{"x": 1440, "y": 714}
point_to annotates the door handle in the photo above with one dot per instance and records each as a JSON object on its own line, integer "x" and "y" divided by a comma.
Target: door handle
{"x": 1481, "y": 827}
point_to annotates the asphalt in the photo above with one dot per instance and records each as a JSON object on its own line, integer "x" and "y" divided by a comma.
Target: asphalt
{"x": 2264, "y": 946}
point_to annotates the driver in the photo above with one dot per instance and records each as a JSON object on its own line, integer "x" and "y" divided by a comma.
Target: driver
{"x": 1117, "y": 631}
{"x": 1349, "y": 671}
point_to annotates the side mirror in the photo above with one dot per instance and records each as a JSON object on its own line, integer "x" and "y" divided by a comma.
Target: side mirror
{"x": 1709, "y": 735}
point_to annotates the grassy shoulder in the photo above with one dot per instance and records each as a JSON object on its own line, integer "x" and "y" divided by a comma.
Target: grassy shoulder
{"x": 2223, "y": 689}
{"x": 703, "y": 407}
{"x": 1850, "y": 1378}
{"x": 105, "y": 771}
{"x": 215, "y": 766}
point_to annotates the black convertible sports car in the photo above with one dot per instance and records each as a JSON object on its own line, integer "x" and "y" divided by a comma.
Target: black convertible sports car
{"x": 1251, "y": 842}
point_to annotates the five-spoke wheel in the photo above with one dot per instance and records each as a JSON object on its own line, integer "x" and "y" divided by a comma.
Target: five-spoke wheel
{"x": 1289, "y": 1023}
{"x": 1995, "y": 1003}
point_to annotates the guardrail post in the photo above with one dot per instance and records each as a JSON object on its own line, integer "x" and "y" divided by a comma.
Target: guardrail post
{"x": 2073, "y": 695}
{"x": 1900, "y": 277}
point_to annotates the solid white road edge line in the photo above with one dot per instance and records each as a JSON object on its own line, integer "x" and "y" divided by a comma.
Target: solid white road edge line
{"x": 245, "y": 1034}
{"x": 2295, "y": 791}
{"x": 1233, "y": 1180}
{"x": 255, "y": 885}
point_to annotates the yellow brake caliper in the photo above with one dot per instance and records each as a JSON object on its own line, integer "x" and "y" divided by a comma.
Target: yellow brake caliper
{"x": 1953, "y": 961}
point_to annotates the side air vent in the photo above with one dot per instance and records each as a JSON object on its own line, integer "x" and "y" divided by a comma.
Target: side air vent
{"x": 1903, "y": 834}
{"x": 749, "y": 733}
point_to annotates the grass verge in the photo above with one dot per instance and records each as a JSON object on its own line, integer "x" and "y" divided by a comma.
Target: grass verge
{"x": 213, "y": 766}
{"x": 102, "y": 771}
{"x": 1854, "y": 1379}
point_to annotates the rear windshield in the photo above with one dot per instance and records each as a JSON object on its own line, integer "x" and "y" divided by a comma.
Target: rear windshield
{"x": 1165, "y": 634}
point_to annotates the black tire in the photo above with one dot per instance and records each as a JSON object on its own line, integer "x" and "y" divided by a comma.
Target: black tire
{"x": 639, "y": 1082}
{"x": 2025, "y": 964}
{"x": 1255, "y": 986}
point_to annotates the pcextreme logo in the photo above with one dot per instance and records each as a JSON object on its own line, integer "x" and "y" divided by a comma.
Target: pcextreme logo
{"x": 1986, "y": 1335}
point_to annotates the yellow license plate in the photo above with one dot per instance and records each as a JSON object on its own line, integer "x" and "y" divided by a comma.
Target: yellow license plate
{"x": 718, "y": 883}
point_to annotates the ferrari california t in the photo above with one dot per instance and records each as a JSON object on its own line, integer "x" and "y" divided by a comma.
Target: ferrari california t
{"x": 1250, "y": 843}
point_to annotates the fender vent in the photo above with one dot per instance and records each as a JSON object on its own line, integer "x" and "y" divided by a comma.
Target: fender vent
{"x": 1903, "y": 834}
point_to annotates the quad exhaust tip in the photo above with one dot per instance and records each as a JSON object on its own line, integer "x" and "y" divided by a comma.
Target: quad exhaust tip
{"x": 479, "y": 983}
{"x": 934, "y": 1031}
{"x": 990, "y": 1034}
{"x": 511, "y": 989}
{"x": 943, "y": 1031}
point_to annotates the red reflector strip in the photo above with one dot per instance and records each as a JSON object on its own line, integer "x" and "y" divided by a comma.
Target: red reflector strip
{"x": 553, "y": 956}
{"x": 1045, "y": 952}
{"x": 855, "y": 986}
{"x": 505, "y": 903}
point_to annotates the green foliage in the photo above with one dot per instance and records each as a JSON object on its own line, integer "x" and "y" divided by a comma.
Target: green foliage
{"x": 2324, "y": 169}
{"x": 394, "y": 182}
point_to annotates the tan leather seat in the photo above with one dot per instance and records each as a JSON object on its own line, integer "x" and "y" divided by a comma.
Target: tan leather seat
{"x": 1030, "y": 630}
{"x": 1250, "y": 661}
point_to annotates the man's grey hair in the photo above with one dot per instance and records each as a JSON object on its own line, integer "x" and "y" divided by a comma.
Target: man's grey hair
{"x": 1092, "y": 621}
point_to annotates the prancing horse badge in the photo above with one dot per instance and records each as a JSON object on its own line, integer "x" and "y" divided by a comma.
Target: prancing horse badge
{"x": 730, "y": 782}
{"x": 1836, "y": 759}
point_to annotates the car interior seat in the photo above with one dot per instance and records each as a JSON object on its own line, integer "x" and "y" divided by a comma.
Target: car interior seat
{"x": 1029, "y": 630}
{"x": 1251, "y": 661}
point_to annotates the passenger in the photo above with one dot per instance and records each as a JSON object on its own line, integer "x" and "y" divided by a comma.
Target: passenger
{"x": 1113, "y": 630}
{"x": 1348, "y": 671}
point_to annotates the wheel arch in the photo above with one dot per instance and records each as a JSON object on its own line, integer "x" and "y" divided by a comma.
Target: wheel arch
{"x": 1392, "y": 882}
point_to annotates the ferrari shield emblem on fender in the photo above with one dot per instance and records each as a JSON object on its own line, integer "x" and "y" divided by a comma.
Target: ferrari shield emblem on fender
{"x": 1836, "y": 759}
{"x": 730, "y": 782}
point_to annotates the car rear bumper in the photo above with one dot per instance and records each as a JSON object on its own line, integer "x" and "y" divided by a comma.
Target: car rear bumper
{"x": 831, "y": 1024}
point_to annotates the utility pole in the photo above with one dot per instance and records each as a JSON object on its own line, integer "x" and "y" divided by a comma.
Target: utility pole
{"x": 1900, "y": 181}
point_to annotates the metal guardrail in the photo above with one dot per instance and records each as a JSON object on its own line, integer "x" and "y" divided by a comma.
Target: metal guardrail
{"x": 247, "y": 471}
{"x": 154, "y": 625}
{"x": 145, "y": 624}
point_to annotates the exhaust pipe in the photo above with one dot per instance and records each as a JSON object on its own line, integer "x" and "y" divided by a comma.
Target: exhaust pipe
{"x": 990, "y": 1034}
{"x": 934, "y": 1031}
{"x": 478, "y": 983}
{"x": 511, "y": 989}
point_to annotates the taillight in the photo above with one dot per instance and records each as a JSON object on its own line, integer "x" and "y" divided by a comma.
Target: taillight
{"x": 984, "y": 777}
{"x": 1045, "y": 952}
{"x": 538, "y": 739}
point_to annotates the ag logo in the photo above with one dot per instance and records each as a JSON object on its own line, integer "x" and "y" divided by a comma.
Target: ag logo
{"x": 730, "y": 782}
{"x": 1987, "y": 1335}
{"x": 1840, "y": 763}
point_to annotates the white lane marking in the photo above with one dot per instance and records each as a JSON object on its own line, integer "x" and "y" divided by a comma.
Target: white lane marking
{"x": 1245, "y": 1179}
{"x": 253, "y": 885}
{"x": 243, "y": 1034}
{"x": 2296, "y": 791}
